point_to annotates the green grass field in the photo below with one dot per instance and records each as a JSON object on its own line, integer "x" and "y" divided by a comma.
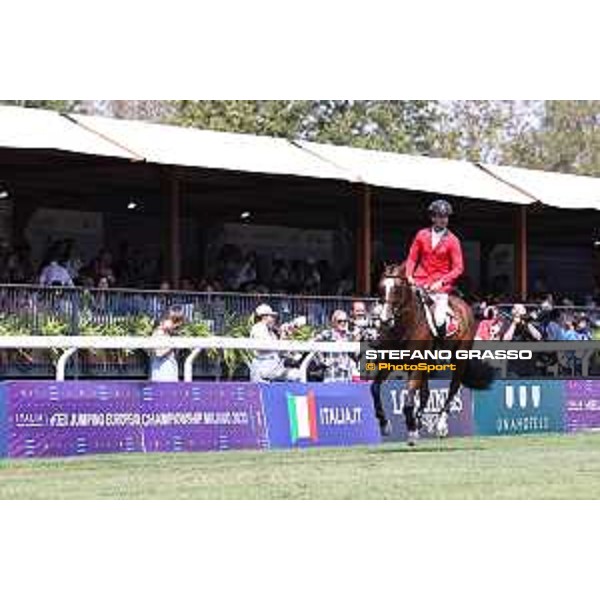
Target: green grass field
{"x": 518, "y": 467}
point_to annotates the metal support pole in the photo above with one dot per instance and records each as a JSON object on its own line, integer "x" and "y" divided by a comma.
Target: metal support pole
{"x": 61, "y": 365}
{"x": 188, "y": 367}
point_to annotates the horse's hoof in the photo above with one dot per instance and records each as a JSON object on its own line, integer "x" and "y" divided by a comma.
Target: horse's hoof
{"x": 413, "y": 437}
{"x": 386, "y": 428}
{"x": 442, "y": 426}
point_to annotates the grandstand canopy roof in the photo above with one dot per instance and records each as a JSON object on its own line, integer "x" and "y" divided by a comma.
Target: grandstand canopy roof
{"x": 554, "y": 189}
{"x": 418, "y": 173}
{"x": 31, "y": 129}
{"x": 191, "y": 147}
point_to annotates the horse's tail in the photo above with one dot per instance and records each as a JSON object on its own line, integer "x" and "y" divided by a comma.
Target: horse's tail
{"x": 478, "y": 375}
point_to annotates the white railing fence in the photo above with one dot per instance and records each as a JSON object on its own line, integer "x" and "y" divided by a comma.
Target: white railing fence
{"x": 69, "y": 345}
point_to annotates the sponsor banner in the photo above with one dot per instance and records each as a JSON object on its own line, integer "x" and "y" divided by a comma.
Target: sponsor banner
{"x": 3, "y": 423}
{"x": 196, "y": 417}
{"x": 460, "y": 422}
{"x": 71, "y": 418}
{"x": 74, "y": 418}
{"x": 519, "y": 407}
{"x": 582, "y": 405}
{"x": 320, "y": 414}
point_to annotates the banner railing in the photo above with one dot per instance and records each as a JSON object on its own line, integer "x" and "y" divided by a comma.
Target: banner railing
{"x": 71, "y": 344}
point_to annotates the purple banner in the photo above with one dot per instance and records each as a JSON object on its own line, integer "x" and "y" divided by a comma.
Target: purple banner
{"x": 74, "y": 418}
{"x": 202, "y": 416}
{"x": 582, "y": 405}
{"x": 51, "y": 419}
{"x": 302, "y": 415}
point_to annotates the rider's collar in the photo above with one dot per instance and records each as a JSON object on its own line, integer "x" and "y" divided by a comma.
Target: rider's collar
{"x": 442, "y": 230}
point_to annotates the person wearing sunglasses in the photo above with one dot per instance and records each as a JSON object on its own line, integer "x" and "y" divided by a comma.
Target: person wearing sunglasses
{"x": 338, "y": 367}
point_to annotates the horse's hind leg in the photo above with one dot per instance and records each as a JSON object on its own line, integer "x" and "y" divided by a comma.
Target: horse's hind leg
{"x": 423, "y": 401}
{"x": 442, "y": 427}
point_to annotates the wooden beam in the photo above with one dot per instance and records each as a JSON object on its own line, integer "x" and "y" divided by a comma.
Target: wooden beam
{"x": 175, "y": 230}
{"x": 521, "y": 253}
{"x": 364, "y": 245}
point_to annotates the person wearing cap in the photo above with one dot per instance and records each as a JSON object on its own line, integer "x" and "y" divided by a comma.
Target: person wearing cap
{"x": 268, "y": 365}
{"x": 435, "y": 261}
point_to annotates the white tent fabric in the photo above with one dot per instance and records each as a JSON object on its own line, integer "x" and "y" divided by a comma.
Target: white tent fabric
{"x": 164, "y": 144}
{"x": 48, "y": 130}
{"x": 186, "y": 146}
{"x": 418, "y": 173}
{"x": 554, "y": 189}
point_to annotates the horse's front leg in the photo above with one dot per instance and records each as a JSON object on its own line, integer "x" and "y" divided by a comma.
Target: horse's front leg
{"x": 385, "y": 425}
{"x": 410, "y": 410}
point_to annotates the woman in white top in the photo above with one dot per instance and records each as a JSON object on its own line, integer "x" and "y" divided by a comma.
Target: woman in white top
{"x": 163, "y": 365}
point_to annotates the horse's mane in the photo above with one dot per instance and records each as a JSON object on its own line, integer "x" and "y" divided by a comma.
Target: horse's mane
{"x": 396, "y": 270}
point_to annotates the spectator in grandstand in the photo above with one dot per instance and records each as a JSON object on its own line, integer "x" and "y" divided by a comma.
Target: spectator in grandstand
{"x": 346, "y": 284}
{"x": 280, "y": 275}
{"x": 70, "y": 258}
{"x": 328, "y": 282}
{"x": 210, "y": 285}
{"x": 338, "y": 367}
{"x": 18, "y": 267}
{"x": 163, "y": 364}
{"x": 554, "y": 327}
{"x": 268, "y": 365}
{"x": 187, "y": 285}
{"x": 583, "y": 328}
{"x": 490, "y": 326}
{"x": 297, "y": 277}
{"x": 125, "y": 267}
{"x": 520, "y": 329}
{"x": 312, "y": 278}
{"x": 248, "y": 272}
{"x": 104, "y": 267}
{"x": 55, "y": 274}
{"x": 361, "y": 327}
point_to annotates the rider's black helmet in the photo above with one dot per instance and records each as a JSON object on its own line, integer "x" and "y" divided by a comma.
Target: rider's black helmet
{"x": 440, "y": 207}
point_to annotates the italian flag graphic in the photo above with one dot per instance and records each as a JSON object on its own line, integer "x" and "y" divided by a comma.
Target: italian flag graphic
{"x": 302, "y": 411}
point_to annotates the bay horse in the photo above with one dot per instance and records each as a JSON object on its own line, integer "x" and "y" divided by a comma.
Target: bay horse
{"x": 404, "y": 323}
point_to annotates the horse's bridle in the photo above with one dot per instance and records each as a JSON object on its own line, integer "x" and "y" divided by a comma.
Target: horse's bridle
{"x": 388, "y": 314}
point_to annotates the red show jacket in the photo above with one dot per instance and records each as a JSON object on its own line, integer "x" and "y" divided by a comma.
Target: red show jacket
{"x": 428, "y": 265}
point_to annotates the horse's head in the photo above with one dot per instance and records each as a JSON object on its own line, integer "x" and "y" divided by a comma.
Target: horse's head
{"x": 393, "y": 290}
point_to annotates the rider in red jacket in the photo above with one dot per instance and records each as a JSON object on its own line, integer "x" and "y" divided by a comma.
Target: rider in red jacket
{"x": 435, "y": 261}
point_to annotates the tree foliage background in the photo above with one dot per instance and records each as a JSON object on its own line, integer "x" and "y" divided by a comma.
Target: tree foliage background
{"x": 543, "y": 134}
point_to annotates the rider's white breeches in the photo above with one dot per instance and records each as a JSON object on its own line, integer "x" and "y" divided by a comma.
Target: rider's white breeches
{"x": 440, "y": 309}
